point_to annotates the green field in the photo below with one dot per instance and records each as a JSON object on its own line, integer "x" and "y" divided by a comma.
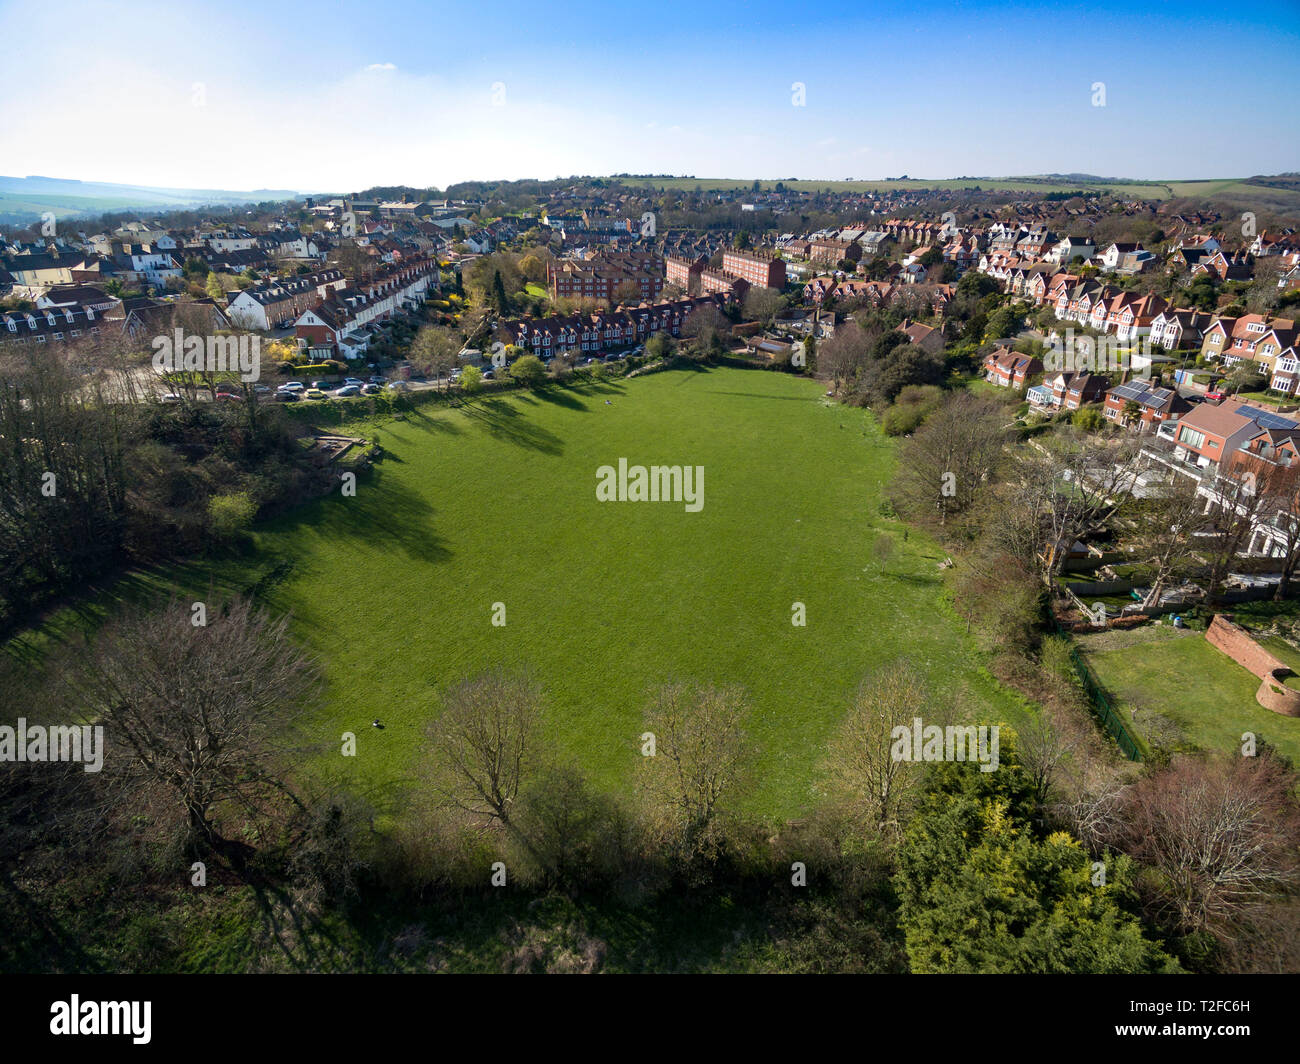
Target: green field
{"x": 394, "y": 589}
{"x": 1233, "y": 190}
{"x": 1180, "y": 677}
{"x": 1134, "y": 189}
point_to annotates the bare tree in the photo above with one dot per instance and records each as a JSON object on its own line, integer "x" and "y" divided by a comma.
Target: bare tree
{"x": 1222, "y": 836}
{"x": 708, "y": 327}
{"x": 1069, "y": 486}
{"x": 1279, "y": 512}
{"x": 883, "y": 550}
{"x": 702, "y": 757}
{"x": 1166, "y": 520}
{"x": 484, "y": 747}
{"x": 763, "y": 304}
{"x": 1238, "y": 502}
{"x": 860, "y": 765}
{"x": 206, "y": 709}
{"x": 952, "y": 458}
{"x": 844, "y": 356}
{"x": 434, "y": 350}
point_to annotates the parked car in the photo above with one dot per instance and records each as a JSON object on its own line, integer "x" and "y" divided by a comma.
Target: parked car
{"x": 324, "y": 386}
{"x": 1215, "y": 395}
{"x": 170, "y": 397}
{"x": 488, "y": 374}
{"x": 229, "y": 397}
{"x": 261, "y": 389}
{"x": 349, "y": 390}
{"x": 314, "y": 393}
{"x": 292, "y": 386}
{"x": 356, "y": 382}
{"x": 397, "y": 386}
{"x": 377, "y": 379}
{"x": 286, "y": 397}
{"x": 371, "y": 389}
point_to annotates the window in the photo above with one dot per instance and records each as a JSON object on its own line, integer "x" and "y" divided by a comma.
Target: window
{"x": 1191, "y": 437}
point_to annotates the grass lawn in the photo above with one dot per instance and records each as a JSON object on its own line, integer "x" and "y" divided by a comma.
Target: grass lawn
{"x": 1180, "y": 677}
{"x": 495, "y": 502}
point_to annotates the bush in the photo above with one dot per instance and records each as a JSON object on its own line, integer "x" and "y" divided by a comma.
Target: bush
{"x": 1089, "y": 418}
{"x": 528, "y": 371}
{"x": 230, "y": 515}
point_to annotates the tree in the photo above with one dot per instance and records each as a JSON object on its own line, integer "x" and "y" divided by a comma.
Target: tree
{"x": 952, "y": 458}
{"x": 533, "y": 267}
{"x": 981, "y": 889}
{"x": 763, "y": 304}
{"x": 901, "y": 366}
{"x": 499, "y": 299}
{"x": 1067, "y": 487}
{"x": 528, "y": 371}
{"x": 707, "y": 326}
{"x": 214, "y": 288}
{"x": 659, "y": 346}
{"x": 845, "y": 354}
{"x": 980, "y": 893}
{"x": 206, "y": 709}
{"x": 471, "y": 380}
{"x": 1221, "y": 836}
{"x": 702, "y": 760}
{"x": 863, "y": 773}
{"x": 627, "y": 294}
{"x": 1279, "y": 511}
{"x": 1167, "y": 520}
{"x": 1237, "y": 505}
{"x": 883, "y": 550}
{"x": 485, "y": 746}
{"x": 434, "y": 350}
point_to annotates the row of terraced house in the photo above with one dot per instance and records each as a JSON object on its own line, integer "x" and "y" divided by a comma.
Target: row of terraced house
{"x": 593, "y": 333}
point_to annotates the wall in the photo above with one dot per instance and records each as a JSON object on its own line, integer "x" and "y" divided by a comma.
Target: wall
{"x": 1236, "y": 642}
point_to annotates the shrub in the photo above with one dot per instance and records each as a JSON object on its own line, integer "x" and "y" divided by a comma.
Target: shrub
{"x": 230, "y": 515}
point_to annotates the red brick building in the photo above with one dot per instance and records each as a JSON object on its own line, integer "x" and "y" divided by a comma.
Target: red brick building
{"x": 758, "y": 268}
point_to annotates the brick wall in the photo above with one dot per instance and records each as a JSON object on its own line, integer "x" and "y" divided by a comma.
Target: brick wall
{"x": 1236, "y": 642}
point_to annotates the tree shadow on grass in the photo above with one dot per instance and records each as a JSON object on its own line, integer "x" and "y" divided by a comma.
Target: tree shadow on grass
{"x": 607, "y": 386}
{"x": 760, "y": 395}
{"x": 915, "y": 578}
{"x": 504, "y": 421}
{"x": 385, "y": 513}
{"x": 420, "y": 418}
{"x": 561, "y": 396}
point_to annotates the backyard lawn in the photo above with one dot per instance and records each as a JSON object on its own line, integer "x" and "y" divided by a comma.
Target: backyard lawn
{"x": 1186, "y": 693}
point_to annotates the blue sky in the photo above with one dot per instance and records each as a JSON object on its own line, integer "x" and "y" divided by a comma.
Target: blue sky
{"x": 339, "y": 96}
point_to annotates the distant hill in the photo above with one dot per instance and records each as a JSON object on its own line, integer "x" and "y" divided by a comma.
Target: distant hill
{"x": 25, "y": 199}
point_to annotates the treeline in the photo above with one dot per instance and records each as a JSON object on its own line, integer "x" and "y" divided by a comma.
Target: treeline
{"x": 95, "y": 474}
{"x": 897, "y": 865}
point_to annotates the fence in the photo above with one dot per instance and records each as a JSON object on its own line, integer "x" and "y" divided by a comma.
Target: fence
{"x": 1101, "y": 706}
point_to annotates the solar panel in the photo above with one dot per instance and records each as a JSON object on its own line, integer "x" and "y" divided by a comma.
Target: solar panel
{"x": 1268, "y": 420}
